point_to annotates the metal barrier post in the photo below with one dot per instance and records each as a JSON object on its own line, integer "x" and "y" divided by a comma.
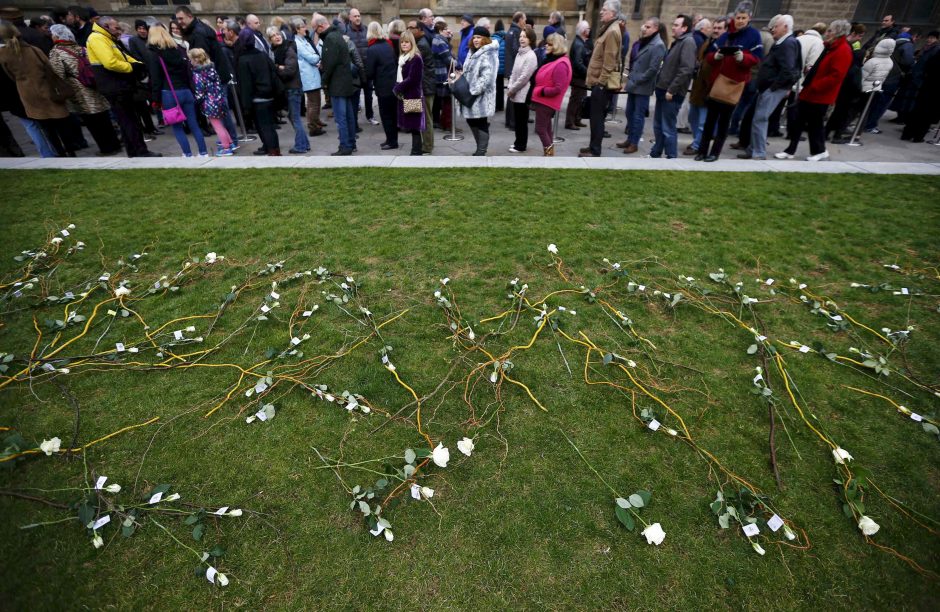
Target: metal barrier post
{"x": 241, "y": 118}
{"x": 861, "y": 118}
{"x": 556, "y": 139}
{"x": 453, "y": 136}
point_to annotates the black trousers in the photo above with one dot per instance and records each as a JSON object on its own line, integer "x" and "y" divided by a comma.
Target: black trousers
{"x": 61, "y": 134}
{"x": 122, "y": 105}
{"x": 520, "y": 113}
{"x": 99, "y": 124}
{"x": 267, "y": 129}
{"x": 809, "y": 117}
{"x": 600, "y": 98}
{"x": 415, "y": 142}
{"x": 719, "y": 114}
{"x": 500, "y": 93}
{"x": 845, "y": 108}
{"x": 388, "y": 113}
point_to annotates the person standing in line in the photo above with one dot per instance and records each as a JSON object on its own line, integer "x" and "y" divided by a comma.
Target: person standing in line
{"x": 90, "y": 105}
{"x": 211, "y": 98}
{"x": 776, "y": 75}
{"x": 512, "y": 49}
{"x": 308, "y": 60}
{"x": 604, "y": 73}
{"x": 580, "y": 54}
{"x": 169, "y": 83}
{"x": 288, "y": 70}
{"x": 672, "y": 86}
{"x": 519, "y": 82}
{"x": 820, "y": 89}
{"x": 358, "y": 34}
{"x": 551, "y": 83}
{"x": 409, "y": 85}
{"x": 479, "y": 68}
{"x": 429, "y": 85}
{"x": 116, "y": 79}
{"x": 338, "y": 81}
{"x": 258, "y": 87}
{"x": 641, "y": 82}
{"x": 443, "y": 61}
{"x": 466, "y": 33}
{"x": 381, "y": 69}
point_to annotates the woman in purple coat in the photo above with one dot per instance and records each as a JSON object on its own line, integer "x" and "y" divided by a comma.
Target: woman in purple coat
{"x": 408, "y": 87}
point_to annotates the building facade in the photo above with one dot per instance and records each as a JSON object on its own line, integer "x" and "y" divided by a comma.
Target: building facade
{"x": 921, "y": 14}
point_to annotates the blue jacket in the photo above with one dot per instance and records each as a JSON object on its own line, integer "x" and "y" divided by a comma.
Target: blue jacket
{"x": 308, "y": 57}
{"x": 465, "y": 35}
{"x": 501, "y": 37}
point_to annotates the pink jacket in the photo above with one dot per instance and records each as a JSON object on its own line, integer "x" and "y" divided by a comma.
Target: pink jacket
{"x": 551, "y": 83}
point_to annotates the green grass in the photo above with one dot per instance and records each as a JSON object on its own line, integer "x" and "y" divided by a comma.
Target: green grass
{"x": 522, "y": 523}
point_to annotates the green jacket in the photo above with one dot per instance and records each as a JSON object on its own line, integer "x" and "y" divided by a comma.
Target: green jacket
{"x": 337, "y": 74}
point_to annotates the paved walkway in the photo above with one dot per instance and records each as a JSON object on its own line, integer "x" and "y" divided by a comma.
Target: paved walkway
{"x": 881, "y": 153}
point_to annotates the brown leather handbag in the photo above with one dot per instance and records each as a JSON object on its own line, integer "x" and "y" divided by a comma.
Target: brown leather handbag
{"x": 726, "y": 90}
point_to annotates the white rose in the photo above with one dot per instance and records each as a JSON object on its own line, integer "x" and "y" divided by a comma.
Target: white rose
{"x": 868, "y": 526}
{"x": 553, "y": 249}
{"x": 654, "y": 534}
{"x": 466, "y": 446}
{"x": 440, "y": 455}
{"x": 841, "y": 455}
{"x": 50, "y": 446}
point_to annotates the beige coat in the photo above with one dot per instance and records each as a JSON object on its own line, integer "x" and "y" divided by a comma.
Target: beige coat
{"x": 26, "y": 66}
{"x": 606, "y": 57}
{"x": 87, "y": 101}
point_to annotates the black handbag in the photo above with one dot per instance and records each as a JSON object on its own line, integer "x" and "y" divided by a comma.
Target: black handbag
{"x": 461, "y": 90}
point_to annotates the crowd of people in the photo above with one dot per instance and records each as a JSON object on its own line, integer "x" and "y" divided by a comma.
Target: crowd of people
{"x": 710, "y": 78}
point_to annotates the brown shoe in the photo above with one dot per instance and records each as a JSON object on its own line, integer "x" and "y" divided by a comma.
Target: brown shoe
{"x": 584, "y": 150}
{"x": 690, "y": 151}
{"x": 548, "y": 151}
{"x": 581, "y": 124}
{"x": 571, "y": 126}
{"x": 630, "y": 148}
{"x": 736, "y": 145}
{"x": 622, "y": 145}
{"x": 588, "y": 154}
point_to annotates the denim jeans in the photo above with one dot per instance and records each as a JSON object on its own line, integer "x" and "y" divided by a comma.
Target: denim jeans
{"x": 229, "y": 124}
{"x": 188, "y": 104}
{"x": 294, "y": 97}
{"x": 637, "y": 107}
{"x": 747, "y": 96}
{"x": 664, "y": 125}
{"x": 344, "y": 113}
{"x": 767, "y": 102}
{"x": 36, "y": 135}
{"x": 697, "y": 122}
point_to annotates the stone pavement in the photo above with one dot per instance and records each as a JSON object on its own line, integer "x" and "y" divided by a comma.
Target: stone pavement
{"x": 881, "y": 153}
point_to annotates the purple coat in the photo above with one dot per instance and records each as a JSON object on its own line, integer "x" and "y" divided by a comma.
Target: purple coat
{"x": 410, "y": 87}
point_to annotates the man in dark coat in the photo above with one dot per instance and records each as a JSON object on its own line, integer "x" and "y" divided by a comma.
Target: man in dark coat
{"x": 30, "y": 35}
{"x": 338, "y": 81}
{"x": 201, "y": 36}
{"x": 512, "y": 49}
{"x": 888, "y": 29}
{"x": 428, "y": 83}
{"x": 580, "y": 54}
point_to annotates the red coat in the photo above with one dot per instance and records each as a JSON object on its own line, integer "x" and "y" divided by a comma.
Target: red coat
{"x": 830, "y": 71}
{"x": 551, "y": 82}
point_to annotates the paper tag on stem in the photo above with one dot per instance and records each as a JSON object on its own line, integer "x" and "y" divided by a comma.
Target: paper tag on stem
{"x": 775, "y": 523}
{"x": 654, "y": 424}
{"x": 155, "y": 498}
{"x": 99, "y": 484}
{"x": 104, "y": 520}
{"x": 751, "y": 530}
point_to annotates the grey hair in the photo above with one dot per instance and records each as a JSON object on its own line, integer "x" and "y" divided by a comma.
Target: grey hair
{"x": 320, "y": 20}
{"x": 425, "y": 13}
{"x": 613, "y": 5}
{"x": 702, "y": 23}
{"x": 483, "y": 22}
{"x": 560, "y": 18}
{"x": 581, "y": 27}
{"x": 297, "y": 23}
{"x": 654, "y": 20}
{"x": 786, "y": 20}
{"x": 438, "y": 20}
{"x": 840, "y": 27}
{"x": 744, "y": 7}
{"x": 232, "y": 25}
{"x": 61, "y": 32}
{"x": 104, "y": 21}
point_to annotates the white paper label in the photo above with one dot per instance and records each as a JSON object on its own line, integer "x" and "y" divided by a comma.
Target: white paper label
{"x": 133, "y": 349}
{"x": 155, "y": 498}
{"x": 221, "y": 511}
{"x": 119, "y": 347}
{"x": 210, "y": 574}
{"x": 642, "y": 287}
{"x": 48, "y": 367}
{"x": 69, "y": 295}
{"x": 104, "y": 520}
{"x": 751, "y": 530}
{"x": 804, "y": 349}
{"x": 295, "y": 341}
{"x": 775, "y": 523}
{"x": 837, "y": 318}
{"x": 275, "y": 295}
{"x": 916, "y": 417}
{"x": 65, "y": 233}
{"x": 654, "y": 424}
{"x": 156, "y": 285}
{"x": 262, "y": 416}
{"x": 307, "y": 313}
{"x": 761, "y": 338}
{"x": 904, "y": 291}
{"x": 265, "y": 308}
{"x": 769, "y": 282}
{"x": 17, "y": 293}
{"x": 100, "y": 482}
{"x": 178, "y": 334}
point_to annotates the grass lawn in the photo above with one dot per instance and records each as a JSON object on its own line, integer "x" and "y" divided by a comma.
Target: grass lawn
{"x": 523, "y": 522}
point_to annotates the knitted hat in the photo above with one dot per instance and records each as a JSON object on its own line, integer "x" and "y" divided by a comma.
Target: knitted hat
{"x": 481, "y": 31}
{"x": 140, "y": 23}
{"x": 467, "y": 17}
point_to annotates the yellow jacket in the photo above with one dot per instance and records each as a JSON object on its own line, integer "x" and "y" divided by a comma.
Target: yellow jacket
{"x": 103, "y": 51}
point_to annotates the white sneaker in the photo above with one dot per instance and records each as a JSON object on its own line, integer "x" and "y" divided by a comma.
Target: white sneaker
{"x": 374, "y": 121}
{"x": 513, "y": 149}
{"x": 783, "y": 155}
{"x": 818, "y": 156}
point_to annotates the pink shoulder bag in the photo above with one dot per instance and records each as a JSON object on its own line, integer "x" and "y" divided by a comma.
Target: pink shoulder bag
{"x": 173, "y": 115}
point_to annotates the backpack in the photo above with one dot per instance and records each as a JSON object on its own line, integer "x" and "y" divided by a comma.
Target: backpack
{"x": 86, "y": 75}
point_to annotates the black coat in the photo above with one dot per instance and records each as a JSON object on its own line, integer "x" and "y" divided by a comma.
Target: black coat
{"x": 256, "y": 78}
{"x": 382, "y": 67}
{"x": 337, "y": 75}
{"x": 428, "y": 82}
{"x": 781, "y": 68}
{"x": 512, "y": 47}
{"x": 177, "y": 65}
{"x": 201, "y": 36}
{"x": 579, "y": 56}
